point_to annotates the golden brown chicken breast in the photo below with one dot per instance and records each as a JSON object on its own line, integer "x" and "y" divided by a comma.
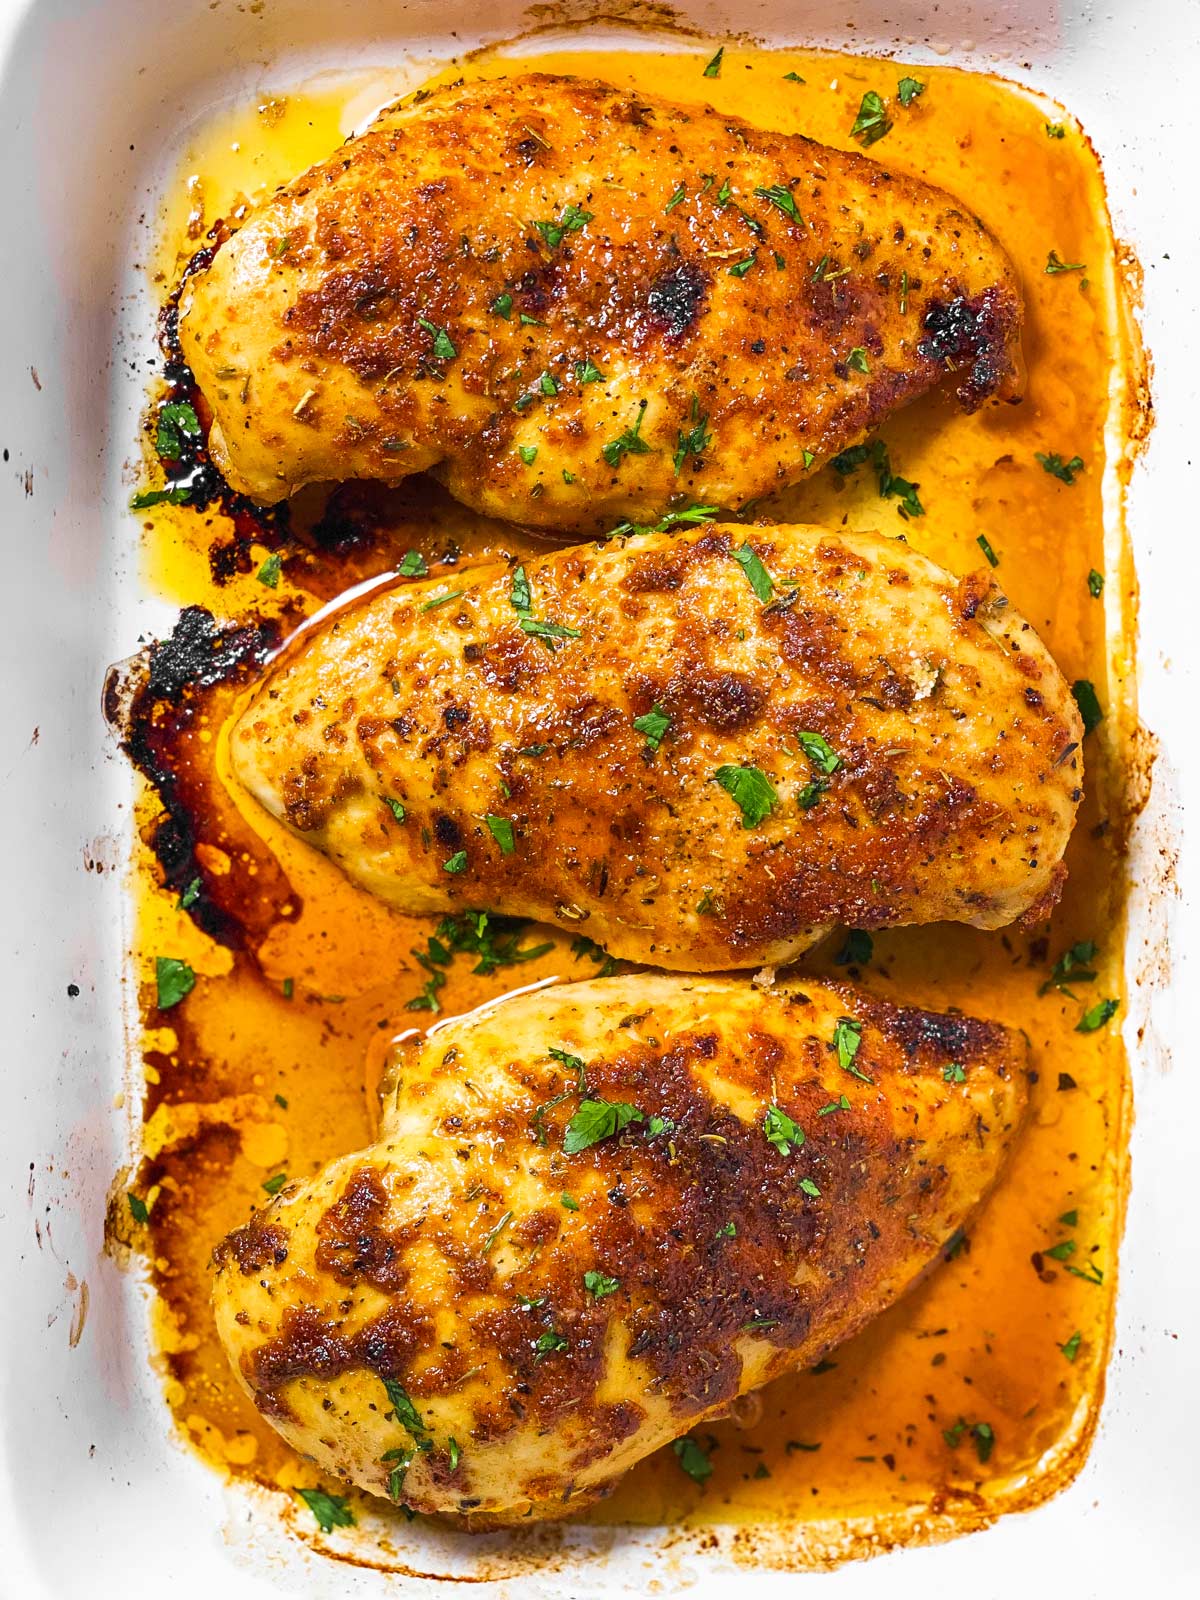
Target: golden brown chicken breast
{"x": 581, "y": 304}
{"x": 701, "y": 750}
{"x": 598, "y": 1213}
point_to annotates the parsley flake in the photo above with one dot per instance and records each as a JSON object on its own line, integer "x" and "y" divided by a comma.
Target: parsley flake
{"x": 691, "y": 1456}
{"x": 572, "y": 219}
{"x": 413, "y": 565}
{"x": 993, "y": 560}
{"x": 810, "y": 1188}
{"x": 587, "y": 372}
{"x": 547, "y": 1343}
{"x": 1053, "y": 264}
{"x": 780, "y": 196}
{"x": 1097, "y": 1016}
{"x": 1054, "y": 464}
{"x": 331, "y": 1510}
{"x": 752, "y": 791}
{"x": 502, "y": 306}
{"x": 628, "y": 443}
{"x": 268, "y": 573}
{"x": 908, "y": 89}
{"x": 138, "y": 1209}
{"x": 1089, "y": 704}
{"x": 443, "y": 347}
{"x": 677, "y": 198}
{"x": 273, "y": 1184}
{"x": 847, "y": 1037}
{"x": 654, "y": 724}
{"x": 1071, "y": 1348}
{"x": 457, "y": 863}
{"x": 596, "y": 1120}
{"x": 954, "y": 1073}
{"x": 781, "y": 1132}
{"x": 695, "y": 440}
{"x": 177, "y": 421}
{"x": 501, "y": 829}
{"x": 857, "y": 360}
{"x": 598, "y": 1284}
{"x": 757, "y": 575}
{"x": 713, "y": 69}
{"x": 1095, "y": 583}
{"x": 872, "y": 122}
{"x": 820, "y": 753}
{"x": 174, "y": 980}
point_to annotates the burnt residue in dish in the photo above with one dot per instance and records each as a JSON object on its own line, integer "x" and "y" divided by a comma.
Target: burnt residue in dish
{"x": 166, "y": 704}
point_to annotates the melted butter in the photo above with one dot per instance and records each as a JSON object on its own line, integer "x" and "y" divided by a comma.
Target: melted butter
{"x": 277, "y": 1082}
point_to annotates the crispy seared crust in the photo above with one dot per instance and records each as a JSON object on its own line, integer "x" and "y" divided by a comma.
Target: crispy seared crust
{"x": 314, "y": 333}
{"x": 957, "y": 736}
{"x": 444, "y": 1257}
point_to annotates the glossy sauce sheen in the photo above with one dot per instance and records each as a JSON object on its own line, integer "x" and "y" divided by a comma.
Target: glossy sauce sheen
{"x": 860, "y": 1446}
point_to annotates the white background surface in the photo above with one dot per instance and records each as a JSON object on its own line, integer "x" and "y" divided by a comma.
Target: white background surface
{"x": 96, "y": 1498}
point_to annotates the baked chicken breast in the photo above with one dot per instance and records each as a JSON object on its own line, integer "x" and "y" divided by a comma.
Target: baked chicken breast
{"x": 579, "y": 304}
{"x": 700, "y": 750}
{"x": 597, "y": 1214}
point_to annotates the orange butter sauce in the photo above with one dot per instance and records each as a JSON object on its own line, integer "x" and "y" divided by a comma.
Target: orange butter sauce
{"x": 271, "y": 1063}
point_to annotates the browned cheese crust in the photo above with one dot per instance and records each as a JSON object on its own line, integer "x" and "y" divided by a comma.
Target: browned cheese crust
{"x": 447, "y": 757}
{"x": 558, "y": 1313}
{"x": 667, "y": 305}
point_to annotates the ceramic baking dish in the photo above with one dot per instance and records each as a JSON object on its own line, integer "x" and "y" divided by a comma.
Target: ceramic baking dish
{"x": 99, "y": 1498}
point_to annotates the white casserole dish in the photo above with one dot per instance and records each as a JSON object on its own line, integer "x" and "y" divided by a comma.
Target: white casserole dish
{"x": 98, "y": 1495}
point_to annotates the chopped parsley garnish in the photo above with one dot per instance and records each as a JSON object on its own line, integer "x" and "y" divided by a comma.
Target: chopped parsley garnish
{"x": 780, "y": 196}
{"x": 331, "y": 1510}
{"x": 1054, "y": 464}
{"x": 691, "y": 1456}
{"x": 628, "y": 443}
{"x": 908, "y": 89}
{"x": 840, "y": 1104}
{"x": 288, "y": 989}
{"x": 793, "y": 77}
{"x": 406, "y": 1413}
{"x": 268, "y": 573}
{"x": 177, "y": 421}
{"x": 753, "y": 792}
{"x": 810, "y": 1188}
{"x": 781, "y": 1132}
{"x": 138, "y": 1209}
{"x": 520, "y": 596}
{"x": 548, "y": 631}
{"x": 502, "y": 306}
{"x": 442, "y": 599}
{"x": 443, "y": 347}
{"x": 1061, "y": 1251}
{"x": 993, "y": 560}
{"x": 954, "y": 1073}
{"x": 501, "y": 829}
{"x": 568, "y": 1202}
{"x": 857, "y": 360}
{"x": 1073, "y": 966}
{"x": 1096, "y": 1016}
{"x": 811, "y": 793}
{"x": 673, "y": 519}
{"x": 490, "y": 1240}
{"x": 890, "y": 483}
{"x": 1055, "y": 130}
{"x": 527, "y": 453}
{"x": 587, "y": 372}
{"x": 1071, "y": 1348}
{"x": 453, "y": 1451}
{"x": 1089, "y": 705}
{"x": 757, "y": 575}
{"x": 713, "y": 69}
{"x": 177, "y": 496}
{"x": 413, "y": 565}
{"x": 847, "y": 1037}
{"x": 173, "y": 979}
{"x": 571, "y": 219}
{"x": 546, "y": 1343}
{"x": 727, "y": 1230}
{"x": 822, "y": 756}
{"x": 494, "y": 940}
{"x": 548, "y": 383}
{"x": 457, "y": 862}
{"x": 739, "y": 269}
{"x": 1095, "y": 584}
{"x": 1070, "y": 1219}
{"x": 654, "y": 725}
{"x": 857, "y": 950}
{"x": 677, "y": 198}
{"x": 695, "y": 440}
{"x": 981, "y": 1432}
{"x": 596, "y": 1120}
{"x": 872, "y": 122}
{"x": 273, "y": 1184}
{"x": 190, "y": 895}
{"x": 598, "y": 1284}
{"x": 1053, "y": 264}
